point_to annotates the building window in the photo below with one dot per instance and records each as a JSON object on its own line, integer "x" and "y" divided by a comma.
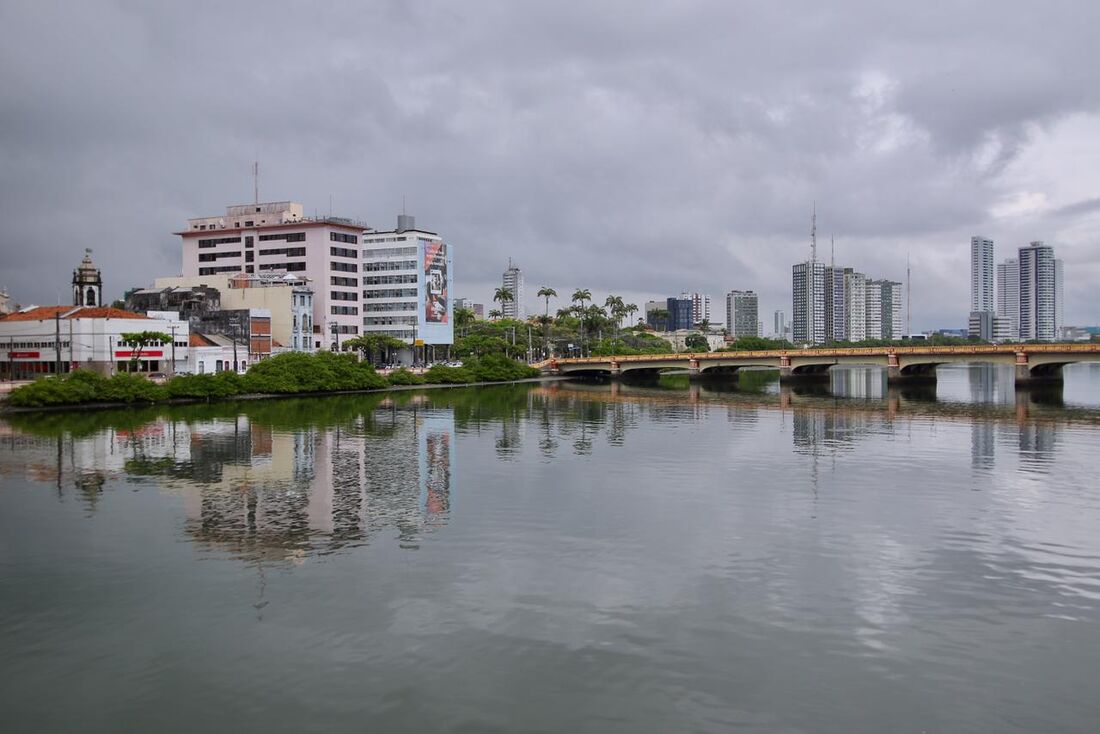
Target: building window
{"x": 340, "y": 267}
{"x": 348, "y": 239}
{"x": 344, "y": 310}
{"x": 288, "y": 251}
{"x": 218, "y": 241}
{"x": 248, "y": 241}
{"x": 343, "y": 296}
{"x": 343, "y": 252}
{"x": 287, "y": 236}
{"x": 209, "y": 257}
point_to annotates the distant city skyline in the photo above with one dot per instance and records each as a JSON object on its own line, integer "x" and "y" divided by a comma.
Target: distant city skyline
{"x": 696, "y": 177}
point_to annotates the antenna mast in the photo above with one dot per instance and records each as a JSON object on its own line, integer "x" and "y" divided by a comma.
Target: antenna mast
{"x": 832, "y": 252}
{"x": 813, "y": 234}
{"x": 908, "y": 298}
{"x": 256, "y": 181}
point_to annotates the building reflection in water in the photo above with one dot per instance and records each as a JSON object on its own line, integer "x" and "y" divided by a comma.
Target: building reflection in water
{"x": 262, "y": 492}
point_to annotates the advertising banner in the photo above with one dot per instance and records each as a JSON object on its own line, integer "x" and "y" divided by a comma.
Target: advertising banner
{"x": 435, "y": 293}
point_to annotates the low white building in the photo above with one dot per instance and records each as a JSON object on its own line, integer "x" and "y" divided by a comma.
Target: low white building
{"x": 678, "y": 338}
{"x": 212, "y": 353}
{"x": 42, "y": 340}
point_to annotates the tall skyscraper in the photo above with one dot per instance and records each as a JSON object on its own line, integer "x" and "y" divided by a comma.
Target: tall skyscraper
{"x": 513, "y": 281}
{"x": 893, "y": 315}
{"x": 981, "y": 274}
{"x": 1038, "y": 285}
{"x": 741, "y": 313}
{"x": 1008, "y": 295}
{"x": 836, "y": 328}
{"x": 1059, "y": 299}
{"x": 855, "y": 305}
{"x": 808, "y": 296}
{"x": 779, "y": 325}
{"x": 873, "y": 310}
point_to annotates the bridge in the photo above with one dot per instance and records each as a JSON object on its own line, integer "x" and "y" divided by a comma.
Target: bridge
{"x": 1034, "y": 363}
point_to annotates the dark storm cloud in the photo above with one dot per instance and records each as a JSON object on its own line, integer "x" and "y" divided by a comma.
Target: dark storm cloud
{"x": 638, "y": 148}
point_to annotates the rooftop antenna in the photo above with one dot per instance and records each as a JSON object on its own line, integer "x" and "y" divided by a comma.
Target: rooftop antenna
{"x": 330, "y": 206}
{"x": 256, "y": 181}
{"x": 403, "y": 204}
{"x": 832, "y": 252}
{"x": 813, "y": 234}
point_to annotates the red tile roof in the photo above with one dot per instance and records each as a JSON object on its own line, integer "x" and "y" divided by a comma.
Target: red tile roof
{"x": 198, "y": 340}
{"x": 43, "y": 313}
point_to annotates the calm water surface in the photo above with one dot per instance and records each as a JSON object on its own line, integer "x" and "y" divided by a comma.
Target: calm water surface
{"x": 561, "y": 557}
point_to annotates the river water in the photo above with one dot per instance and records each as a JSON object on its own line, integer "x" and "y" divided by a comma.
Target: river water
{"x": 561, "y": 557}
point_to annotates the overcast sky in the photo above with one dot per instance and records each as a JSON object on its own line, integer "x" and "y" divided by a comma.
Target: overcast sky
{"x": 635, "y": 148}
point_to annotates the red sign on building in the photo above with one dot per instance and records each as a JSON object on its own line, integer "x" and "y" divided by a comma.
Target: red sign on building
{"x": 24, "y": 355}
{"x": 129, "y": 354}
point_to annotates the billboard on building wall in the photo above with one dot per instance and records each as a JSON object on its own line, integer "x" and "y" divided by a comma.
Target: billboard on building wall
{"x": 436, "y": 309}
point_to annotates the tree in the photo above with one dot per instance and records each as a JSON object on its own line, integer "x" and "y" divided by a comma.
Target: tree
{"x": 368, "y": 345}
{"x": 580, "y": 297}
{"x": 495, "y": 313}
{"x": 547, "y": 293}
{"x": 703, "y": 326}
{"x": 630, "y": 309}
{"x": 118, "y": 303}
{"x": 503, "y": 295}
{"x": 696, "y": 343}
{"x": 138, "y": 340}
{"x": 464, "y": 317}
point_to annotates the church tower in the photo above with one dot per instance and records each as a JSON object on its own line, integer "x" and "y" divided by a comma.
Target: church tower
{"x": 87, "y": 282}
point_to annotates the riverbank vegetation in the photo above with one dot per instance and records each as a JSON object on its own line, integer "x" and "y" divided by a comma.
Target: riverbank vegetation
{"x": 284, "y": 374}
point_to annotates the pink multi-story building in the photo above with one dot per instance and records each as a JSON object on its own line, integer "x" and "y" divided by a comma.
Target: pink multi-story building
{"x": 277, "y": 237}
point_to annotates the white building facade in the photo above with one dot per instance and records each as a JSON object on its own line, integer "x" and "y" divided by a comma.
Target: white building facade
{"x": 1008, "y": 295}
{"x": 408, "y": 276}
{"x": 1037, "y": 292}
{"x": 513, "y": 281}
{"x": 43, "y": 340}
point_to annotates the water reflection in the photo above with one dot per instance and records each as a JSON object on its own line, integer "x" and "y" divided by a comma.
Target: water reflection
{"x": 258, "y": 490}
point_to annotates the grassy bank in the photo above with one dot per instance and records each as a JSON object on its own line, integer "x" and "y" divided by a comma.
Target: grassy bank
{"x": 286, "y": 374}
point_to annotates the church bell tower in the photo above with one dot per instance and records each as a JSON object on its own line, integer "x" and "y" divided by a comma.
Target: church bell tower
{"x": 87, "y": 282}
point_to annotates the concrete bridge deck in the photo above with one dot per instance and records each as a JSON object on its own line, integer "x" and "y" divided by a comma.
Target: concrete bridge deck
{"x": 1034, "y": 363}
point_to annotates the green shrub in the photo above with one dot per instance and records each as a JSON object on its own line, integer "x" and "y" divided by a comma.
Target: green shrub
{"x": 217, "y": 385}
{"x": 127, "y": 387}
{"x": 294, "y": 372}
{"x": 404, "y": 377}
{"x": 441, "y": 374}
{"x": 498, "y": 368}
{"x": 80, "y": 386}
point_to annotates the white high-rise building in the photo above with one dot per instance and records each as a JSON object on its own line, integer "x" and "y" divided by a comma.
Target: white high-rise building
{"x": 893, "y": 317}
{"x": 408, "y": 277}
{"x": 1008, "y": 295}
{"x": 276, "y": 237}
{"x": 741, "y": 314}
{"x": 981, "y": 274}
{"x": 808, "y": 296}
{"x": 855, "y": 305}
{"x": 1059, "y": 298}
{"x": 873, "y": 310}
{"x": 836, "y": 327}
{"x": 1038, "y": 286}
{"x": 513, "y": 281}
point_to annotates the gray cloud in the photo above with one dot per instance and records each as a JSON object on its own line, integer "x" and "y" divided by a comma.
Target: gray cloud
{"x": 639, "y": 150}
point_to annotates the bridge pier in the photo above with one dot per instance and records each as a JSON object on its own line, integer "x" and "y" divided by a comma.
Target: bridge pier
{"x": 1042, "y": 375}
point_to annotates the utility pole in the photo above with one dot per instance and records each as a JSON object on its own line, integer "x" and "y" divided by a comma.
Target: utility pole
{"x": 57, "y": 341}
{"x": 173, "y": 350}
{"x": 70, "y": 345}
{"x": 908, "y": 298}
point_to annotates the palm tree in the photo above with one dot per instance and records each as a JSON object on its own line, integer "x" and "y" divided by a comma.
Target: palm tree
{"x": 547, "y": 293}
{"x": 495, "y": 313}
{"x": 503, "y": 295}
{"x": 581, "y": 296}
{"x": 630, "y": 309}
{"x": 616, "y": 308}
